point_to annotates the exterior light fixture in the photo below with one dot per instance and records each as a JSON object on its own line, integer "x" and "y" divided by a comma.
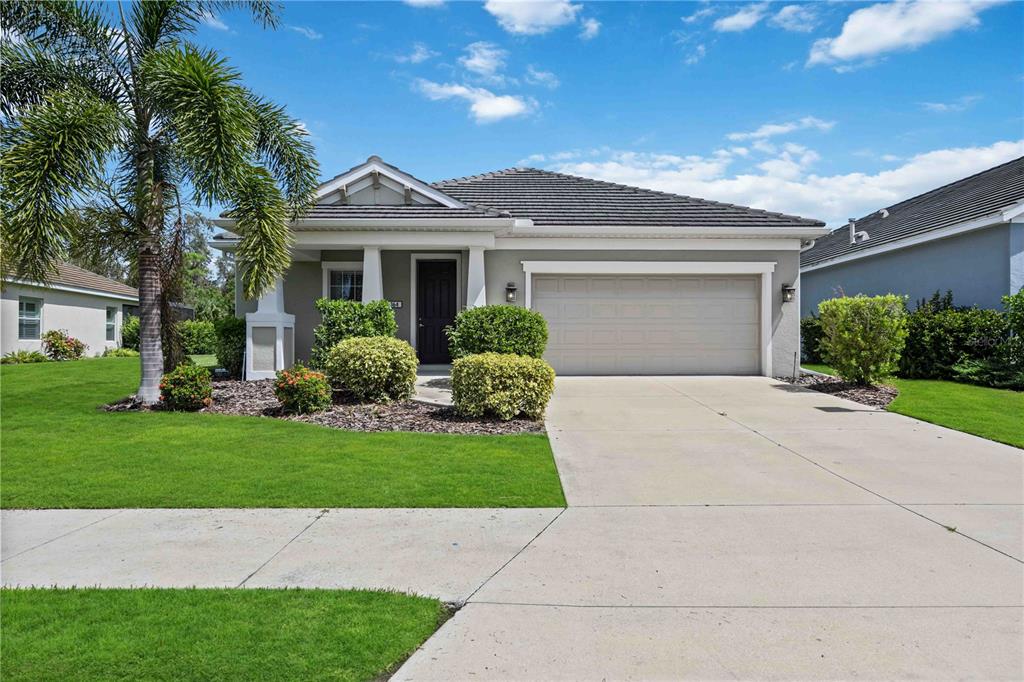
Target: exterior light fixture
{"x": 510, "y": 292}
{"x": 788, "y": 293}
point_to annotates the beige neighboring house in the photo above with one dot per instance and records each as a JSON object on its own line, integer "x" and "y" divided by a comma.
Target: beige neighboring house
{"x": 630, "y": 280}
{"x": 89, "y": 306}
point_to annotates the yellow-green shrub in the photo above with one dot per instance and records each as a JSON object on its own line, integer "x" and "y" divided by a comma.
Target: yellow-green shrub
{"x": 378, "y": 369}
{"x": 501, "y": 385}
{"x": 863, "y": 336}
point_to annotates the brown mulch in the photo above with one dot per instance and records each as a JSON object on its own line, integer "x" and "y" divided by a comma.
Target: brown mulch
{"x": 256, "y": 398}
{"x": 875, "y": 396}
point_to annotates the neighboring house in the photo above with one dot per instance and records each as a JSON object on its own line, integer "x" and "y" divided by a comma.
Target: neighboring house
{"x": 631, "y": 281}
{"x": 966, "y": 237}
{"x": 87, "y": 305}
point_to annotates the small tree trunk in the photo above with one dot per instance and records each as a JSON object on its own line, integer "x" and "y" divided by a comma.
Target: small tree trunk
{"x": 150, "y": 347}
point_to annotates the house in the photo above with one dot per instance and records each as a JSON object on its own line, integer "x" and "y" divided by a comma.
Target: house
{"x": 966, "y": 237}
{"x": 631, "y": 281}
{"x": 89, "y": 306}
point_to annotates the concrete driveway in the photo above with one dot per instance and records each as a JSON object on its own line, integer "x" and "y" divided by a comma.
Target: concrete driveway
{"x": 738, "y": 528}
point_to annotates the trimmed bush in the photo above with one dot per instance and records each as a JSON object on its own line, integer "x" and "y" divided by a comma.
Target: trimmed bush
{"x": 186, "y": 388}
{"x": 498, "y": 329}
{"x": 59, "y": 345}
{"x": 340, "y": 320}
{"x": 863, "y": 336}
{"x": 23, "y": 357}
{"x": 230, "y": 346}
{"x": 810, "y": 339}
{"x": 377, "y": 369}
{"x": 300, "y": 390}
{"x": 130, "y": 332}
{"x": 501, "y": 385}
{"x": 1004, "y": 368}
{"x": 120, "y": 353}
{"x": 198, "y": 337}
{"x": 940, "y": 336}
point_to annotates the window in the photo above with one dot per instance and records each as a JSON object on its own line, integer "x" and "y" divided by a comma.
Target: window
{"x": 30, "y": 318}
{"x": 346, "y": 285}
{"x": 111, "y": 324}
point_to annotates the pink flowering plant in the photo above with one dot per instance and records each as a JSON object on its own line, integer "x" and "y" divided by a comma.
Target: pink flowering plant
{"x": 186, "y": 388}
{"x": 302, "y": 390}
{"x": 59, "y": 345}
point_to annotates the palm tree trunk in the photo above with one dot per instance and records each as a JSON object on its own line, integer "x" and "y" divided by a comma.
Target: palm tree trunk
{"x": 150, "y": 347}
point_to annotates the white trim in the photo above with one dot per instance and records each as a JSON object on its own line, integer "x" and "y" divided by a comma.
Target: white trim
{"x": 415, "y": 258}
{"x": 74, "y": 290}
{"x": 376, "y": 164}
{"x": 991, "y": 220}
{"x": 660, "y": 231}
{"x": 764, "y": 269}
{"x": 646, "y": 244}
{"x": 39, "y": 308}
{"x": 379, "y": 224}
{"x": 392, "y": 240}
{"x": 328, "y": 265}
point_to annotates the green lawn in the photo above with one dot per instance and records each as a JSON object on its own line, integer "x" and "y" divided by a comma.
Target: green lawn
{"x": 987, "y": 412}
{"x": 204, "y": 360}
{"x": 149, "y": 634}
{"x": 61, "y": 450}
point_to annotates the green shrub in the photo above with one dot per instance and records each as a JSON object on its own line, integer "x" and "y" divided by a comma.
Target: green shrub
{"x": 230, "y": 346}
{"x": 301, "y": 390}
{"x": 1004, "y": 367}
{"x": 130, "y": 332}
{"x": 59, "y": 345}
{"x": 378, "y": 369}
{"x": 940, "y": 336}
{"x": 810, "y": 339}
{"x": 340, "y": 320}
{"x": 23, "y": 357}
{"x": 498, "y": 329}
{"x": 187, "y": 388}
{"x": 501, "y": 385}
{"x": 198, "y": 337}
{"x": 120, "y": 353}
{"x": 862, "y": 336}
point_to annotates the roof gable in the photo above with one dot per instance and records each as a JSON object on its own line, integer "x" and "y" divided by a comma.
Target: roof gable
{"x": 376, "y": 183}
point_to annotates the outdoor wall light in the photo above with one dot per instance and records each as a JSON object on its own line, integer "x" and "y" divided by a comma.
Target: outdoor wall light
{"x": 788, "y": 292}
{"x": 510, "y": 292}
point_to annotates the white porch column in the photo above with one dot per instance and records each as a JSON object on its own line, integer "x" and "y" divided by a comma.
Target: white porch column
{"x": 476, "y": 282}
{"x": 269, "y": 335}
{"x": 373, "y": 283}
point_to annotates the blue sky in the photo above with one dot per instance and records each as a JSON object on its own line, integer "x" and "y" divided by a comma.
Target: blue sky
{"x": 824, "y": 109}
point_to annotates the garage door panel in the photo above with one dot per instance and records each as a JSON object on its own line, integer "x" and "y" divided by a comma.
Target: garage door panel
{"x": 666, "y": 324}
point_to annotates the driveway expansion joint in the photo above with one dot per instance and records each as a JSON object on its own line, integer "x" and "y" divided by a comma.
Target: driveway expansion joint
{"x": 62, "y": 535}
{"x": 320, "y": 515}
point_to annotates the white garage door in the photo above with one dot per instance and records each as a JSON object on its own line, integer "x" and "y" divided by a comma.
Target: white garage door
{"x": 657, "y": 324}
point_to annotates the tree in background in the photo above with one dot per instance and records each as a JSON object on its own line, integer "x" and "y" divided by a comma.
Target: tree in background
{"x": 110, "y": 108}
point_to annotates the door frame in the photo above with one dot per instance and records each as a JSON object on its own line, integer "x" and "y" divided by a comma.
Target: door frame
{"x": 414, "y": 259}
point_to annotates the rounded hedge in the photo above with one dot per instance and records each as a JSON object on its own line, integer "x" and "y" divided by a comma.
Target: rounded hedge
{"x": 498, "y": 329}
{"x": 186, "y": 387}
{"x": 501, "y": 385}
{"x": 230, "y": 346}
{"x": 198, "y": 337}
{"x": 377, "y": 369}
{"x": 301, "y": 390}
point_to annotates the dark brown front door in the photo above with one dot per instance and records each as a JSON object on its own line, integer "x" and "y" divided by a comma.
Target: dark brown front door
{"x": 436, "y": 305}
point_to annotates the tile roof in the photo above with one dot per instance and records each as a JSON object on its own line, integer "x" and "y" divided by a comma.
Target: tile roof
{"x": 399, "y": 211}
{"x": 550, "y": 198}
{"x": 973, "y": 197}
{"x": 74, "y": 276}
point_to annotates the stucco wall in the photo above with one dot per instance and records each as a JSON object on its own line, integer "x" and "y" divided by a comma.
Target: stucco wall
{"x": 82, "y": 315}
{"x": 975, "y": 266}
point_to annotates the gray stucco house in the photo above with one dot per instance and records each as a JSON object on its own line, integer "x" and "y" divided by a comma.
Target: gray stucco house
{"x": 631, "y": 281}
{"x": 966, "y": 237}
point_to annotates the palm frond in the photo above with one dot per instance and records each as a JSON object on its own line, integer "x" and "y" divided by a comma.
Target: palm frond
{"x": 282, "y": 144}
{"x": 260, "y": 213}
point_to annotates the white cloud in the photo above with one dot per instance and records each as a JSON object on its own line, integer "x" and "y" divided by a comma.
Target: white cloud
{"x": 695, "y": 55}
{"x": 213, "y": 21}
{"x": 307, "y": 32}
{"x": 786, "y": 184}
{"x": 419, "y": 54}
{"x": 959, "y": 104}
{"x": 697, "y": 16}
{"x": 424, "y": 3}
{"x": 484, "y": 105}
{"x": 798, "y": 18}
{"x": 535, "y": 76}
{"x": 774, "y": 129}
{"x": 902, "y": 25}
{"x": 745, "y": 19}
{"x": 532, "y": 17}
{"x": 484, "y": 59}
{"x": 591, "y": 27}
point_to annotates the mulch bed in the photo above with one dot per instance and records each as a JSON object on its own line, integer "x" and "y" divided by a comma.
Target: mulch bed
{"x": 256, "y": 399}
{"x": 875, "y": 396}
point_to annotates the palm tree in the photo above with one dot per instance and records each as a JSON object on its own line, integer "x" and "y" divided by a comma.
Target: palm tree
{"x": 111, "y": 108}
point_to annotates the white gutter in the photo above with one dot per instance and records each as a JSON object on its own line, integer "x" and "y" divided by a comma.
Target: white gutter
{"x": 363, "y": 224}
{"x": 72, "y": 289}
{"x": 641, "y": 232}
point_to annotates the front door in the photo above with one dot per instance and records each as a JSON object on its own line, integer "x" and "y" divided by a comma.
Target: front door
{"x": 436, "y": 305}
